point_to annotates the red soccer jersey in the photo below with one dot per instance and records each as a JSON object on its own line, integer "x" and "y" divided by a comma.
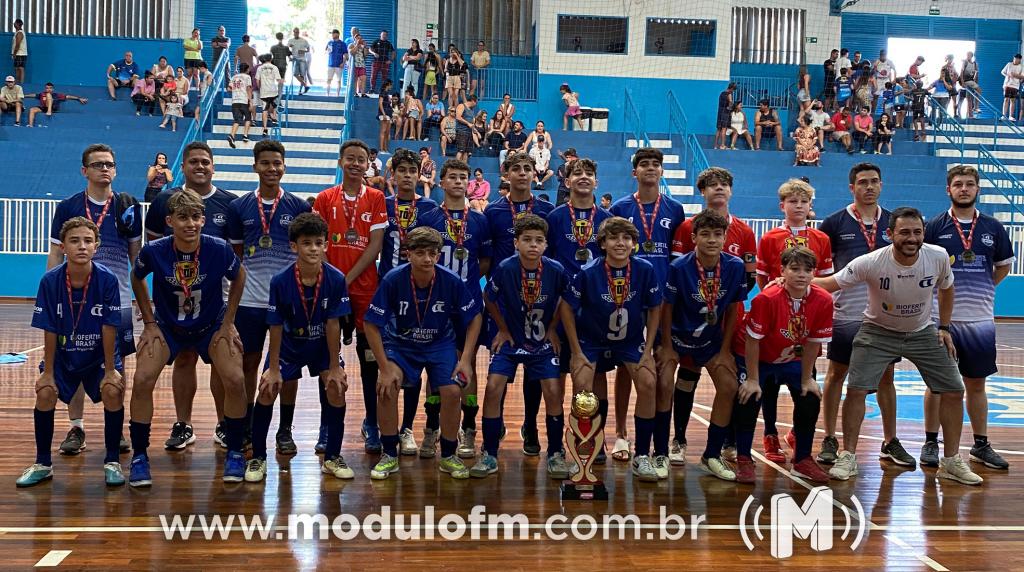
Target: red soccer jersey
{"x": 776, "y": 240}
{"x": 739, "y": 239}
{"x": 773, "y": 321}
{"x": 365, "y": 214}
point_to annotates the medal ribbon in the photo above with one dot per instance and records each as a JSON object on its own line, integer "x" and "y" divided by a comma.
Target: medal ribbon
{"x": 103, "y": 214}
{"x": 350, "y": 218}
{"x": 528, "y": 210}
{"x": 264, "y": 219}
{"x": 582, "y": 239}
{"x": 71, "y": 303}
{"x": 797, "y": 322}
{"x": 709, "y": 288}
{"x": 619, "y": 300}
{"x": 302, "y": 292}
{"x": 416, "y": 301}
{"x": 969, "y": 240}
{"x": 873, "y": 235}
{"x": 460, "y": 236}
{"x": 648, "y": 226}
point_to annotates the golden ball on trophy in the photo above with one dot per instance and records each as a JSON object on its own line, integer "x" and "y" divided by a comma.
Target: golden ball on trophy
{"x": 584, "y": 405}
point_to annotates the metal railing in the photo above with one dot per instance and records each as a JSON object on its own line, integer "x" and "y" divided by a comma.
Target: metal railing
{"x": 997, "y": 116}
{"x": 753, "y": 89}
{"x": 346, "y": 130}
{"x": 631, "y": 121}
{"x": 206, "y": 104}
{"x": 521, "y": 84}
{"x": 695, "y": 160}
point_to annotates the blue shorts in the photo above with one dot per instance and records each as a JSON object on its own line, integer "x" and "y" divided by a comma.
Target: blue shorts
{"x": 537, "y": 365}
{"x": 694, "y": 357}
{"x": 198, "y": 341}
{"x": 787, "y": 374}
{"x": 975, "y": 344}
{"x": 252, "y": 327}
{"x": 565, "y": 358}
{"x": 608, "y": 356}
{"x": 68, "y": 381}
{"x": 440, "y": 365}
{"x": 310, "y": 355}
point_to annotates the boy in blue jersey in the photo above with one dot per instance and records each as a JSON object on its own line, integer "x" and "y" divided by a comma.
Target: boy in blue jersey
{"x": 188, "y": 269}
{"x": 466, "y": 251}
{"x": 258, "y": 226}
{"x": 412, "y": 324}
{"x": 502, "y": 214}
{"x": 522, "y": 297}
{"x": 981, "y": 254}
{"x": 197, "y": 167}
{"x": 80, "y": 347}
{"x": 658, "y": 216}
{"x": 405, "y": 211}
{"x": 306, "y": 300}
{"x": 120, "y": 238}
{"x": 608, "y": 307}
{"x": 704, "y": 291}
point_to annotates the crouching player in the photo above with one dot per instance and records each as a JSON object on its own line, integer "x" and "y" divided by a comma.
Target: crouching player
{"x": 80, "y": 347}
{"x": 190, "y": 314}
{"x": 411, "y": 325}
{"x": 307, "y": 299}
{"x": 704, "y": 292}
{"x": 785, "y": 328}
{"x": 522, "y": 298}
{"x": 610, "y": 303}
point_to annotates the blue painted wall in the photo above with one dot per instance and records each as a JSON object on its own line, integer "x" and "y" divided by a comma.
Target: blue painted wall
{"x": 83, "y": 60}
{"x": 232, "y": 14}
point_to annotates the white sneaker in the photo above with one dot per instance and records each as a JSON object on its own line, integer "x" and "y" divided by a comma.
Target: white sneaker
{"x": 677, "y": 453}
{"x": 844, "y": 467}
{"x": 956, "y": 469}
{"x": 467, "y": 444}
{"x": 338, "y": 468}
{"x": 718, "y": 468}
{"x": 255, "y": 470}
{"x": 428, "y": 448}
{"x": 644, "y": 470}
{"x": 407, "y": 444}
{"x": 661, "y": 466}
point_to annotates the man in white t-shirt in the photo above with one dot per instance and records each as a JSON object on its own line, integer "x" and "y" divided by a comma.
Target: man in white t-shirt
{"x": 882, "y": 71}
{"x": 902, "y": 279}
{"x": 268, "y": 82}
{"x": 300, "y": 66}
{"x": 240, "y": 87}
{"x": 542, "y": 160}
{"x": 1012, "y": 72}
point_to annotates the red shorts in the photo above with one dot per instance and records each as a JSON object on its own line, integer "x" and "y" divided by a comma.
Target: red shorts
{"x": 360, "y": 304}
{"x": 360, "y": 71}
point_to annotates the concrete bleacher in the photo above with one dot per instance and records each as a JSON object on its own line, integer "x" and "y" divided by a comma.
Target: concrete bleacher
{"x": 49, "y": 156}
{"x": 1006, "y": 144}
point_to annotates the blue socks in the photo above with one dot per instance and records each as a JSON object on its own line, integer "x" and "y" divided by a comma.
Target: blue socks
{"x": 44, "y": 436}
{"x": 139, "y": 433}
{"x": 644, "y": 431}
{"x": 335, "y": 431}
{"x": 261, "y": 417}
{"x": 492, "y": 434}
{"x": 556, "y": 428}
{"x": 113, "y": 421}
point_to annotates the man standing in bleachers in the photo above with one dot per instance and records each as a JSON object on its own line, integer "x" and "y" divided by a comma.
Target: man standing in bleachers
{"x": 19, "y": 49}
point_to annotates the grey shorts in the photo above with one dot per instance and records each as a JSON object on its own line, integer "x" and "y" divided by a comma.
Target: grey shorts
{"x": 874, "y": 348}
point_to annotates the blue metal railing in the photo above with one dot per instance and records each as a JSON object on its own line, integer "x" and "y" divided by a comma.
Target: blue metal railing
{"x": 346, "y": 130}
{"x": 206, "y": 104}
{"x": 631, "y": 121}
{"x": 521, "y": 84}
{"x": 696, "y": 161}
{"x": 1003, "y": 181}
{"x": 753, "y": 89}
{"x": 997, "y": 116}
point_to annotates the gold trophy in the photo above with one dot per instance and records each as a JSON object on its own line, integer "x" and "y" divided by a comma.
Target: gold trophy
{"x": 583, "y": 438}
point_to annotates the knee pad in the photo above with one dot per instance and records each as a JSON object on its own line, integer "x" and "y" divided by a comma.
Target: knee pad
{"x": 686, "y": 380}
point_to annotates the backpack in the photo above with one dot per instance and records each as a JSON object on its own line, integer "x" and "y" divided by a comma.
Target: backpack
{"x": 126, "y": 210}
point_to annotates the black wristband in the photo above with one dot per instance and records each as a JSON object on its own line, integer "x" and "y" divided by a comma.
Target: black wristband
{"x": 944, "y": 328}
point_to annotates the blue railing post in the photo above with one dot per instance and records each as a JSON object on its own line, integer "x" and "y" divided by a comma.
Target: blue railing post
{"x": 206, "y": 104}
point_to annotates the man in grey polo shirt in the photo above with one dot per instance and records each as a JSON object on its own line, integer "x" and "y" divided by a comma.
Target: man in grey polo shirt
{"x": 901, "y": 280}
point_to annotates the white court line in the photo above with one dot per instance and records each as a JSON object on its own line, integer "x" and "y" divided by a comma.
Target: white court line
{"x": 30, "y": 350}
{"x": 931, "y": 563}
{"x": 52, "y": 558}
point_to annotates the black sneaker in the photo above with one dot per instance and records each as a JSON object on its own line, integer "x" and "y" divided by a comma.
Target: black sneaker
{"x": 989, "y": 457}
{"x": 245, "y": 138}
{"x": 285, "y": 443}
{"x": 231, "y": 141}
{"x": 181, "y": 436}
{"x": 321, "y": 441}
{"x": 930, "y": 454}
{"x": 829, "y": 450}
{"x": 74, "y": 443}
{"x": 531, "y": 442}
{"x": 219, "y": 436}
{"x": 125, "y": 445}
{"x": 895, "y": 452}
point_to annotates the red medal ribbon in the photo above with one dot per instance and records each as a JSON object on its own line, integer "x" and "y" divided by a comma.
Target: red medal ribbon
{"x": 415, "y": 300}
{"x": 582, "y": 240}
{"x": 797, "y": 322}
{"x": 264, "y": 219}
{"x": 709, "y": 288}
{"x": 873, "y": 235}
{"x": 71, "y": 303}
{"x": 460, "y": 236}
{"x": 648, "y": 227}
{"x": 530, "y": 295}
{"x": 350, "y": 218}
{"x": 969, "y": 240}
{"x": 179, "y": 272}
{"x": 302, "y": 292}
{"x": 103, "y": 215}
{"x": 619, "y": 300}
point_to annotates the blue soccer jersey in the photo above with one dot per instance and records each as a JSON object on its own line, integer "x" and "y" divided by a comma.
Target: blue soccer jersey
{"x": 204, "y": 304}
{"x": 975, "y": 292}
{"x": 848, "y": 242}
{"x": 246, "y": 229}
{"x": 328, "y": 302}
{"x": 501, "y": 221}
{"x": 78, "y": 321}
{"x": 527, "y": 303}
{"x": 403, "y": 216}
{"x": 657, "y": 226}
{"x": 571, "y": 229}
{"x": 217, "y": 203}
{"x": 428, "y": 319}
{"x": 690, "y": 327}
{"x": 611, "y": 312}
{"x": 476, "y": 241}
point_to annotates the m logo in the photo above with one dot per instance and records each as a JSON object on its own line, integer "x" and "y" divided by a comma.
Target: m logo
{"x": 812, "y": 520}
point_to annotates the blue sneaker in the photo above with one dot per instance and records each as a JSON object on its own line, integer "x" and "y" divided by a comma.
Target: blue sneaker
{"x": 34, "y": 475}
{"x": 112, "y": 474}
{"x": 321, "y": 441}
{"x": 234, "y": 467}
{"x": 371, "y": 434}
{"x": 139, "y": 472}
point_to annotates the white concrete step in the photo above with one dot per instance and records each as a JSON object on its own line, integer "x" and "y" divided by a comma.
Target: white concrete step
{"x": 327, "y": 120}
{"x": 973, "y": 153}
{"x": 943, "y": 143}
{"x": 681, "y": 190}
{"x": 289, "y": 162}
{"x": 327, "y": 134}
{"x": 656, "y": 143}
{"x": 675, "y": 173}
{"x": 692, "y": 208}
{"x": 308, "y": 147}
{"x": 299, "y": 103}
{"x": 667, "y": 160}
{"x": 251, "y": 177}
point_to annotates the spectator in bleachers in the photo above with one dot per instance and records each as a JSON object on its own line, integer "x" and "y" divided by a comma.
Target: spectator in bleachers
{"x": 478, "y": 191}
{"x": 969, "y": 80}
{"x": 883, "y": 134}
{"x": 397, "y": 116}
{"x": 453, "y": 75}
{"x": 807, "y": 152}
{"x": 464, "y": 128}
{"x": 269, "y": 83}
{"x": 375, "y": 170}
{"x": 856, "y": 66}
{"x": 172, "y": 112}
{"x": 246, "y": 54}
{"x": 542, "y": 161}
{"x": 829, "y": 93}
{"x": 481, "y": 60}
{"x": 508, "y": 110}
{"x": 428, "y": 171}
{"x": 899, "y": 102}
{"x": 433, "y": 65}
{"x": 495, "y": 135}
{"x": 606, "y": 201}
{"x": 412, "y": 66}
{"x": 122, "y": 74}
{"x": 479, "y": 129}
{"x": 337, "y": 53}
{"x": 861, "y": 91}
{"x": 539, "y": 130}
{"x": 571, "y": 99}
{"x": 221, "y": 43}
{"x": 844, "y": 88}
{"x": 12, "y": 99}
{"x": 433, "y": 114}
{"x": 941, "y": 96}
{"x": 883, "y": 71}
{"x": 382, "y": 51}
{"x": 515, "y": 141}
{"x": 309, "y": 59}
{"x": 164, "y": 91}
{"x": 205, "y": 80}
{"x": 568, "y": 156}
{"x": 157, "y": 177}
{"x": 357, "y": 51}
{"x": 918, "y": 96}
{"x": 504, "y": 187}
{"x": 863, "y": 127}
{"x": 767, "y": 125}
{"x": 842, "y": 124}
{"x": 280, "y": 54}
{"x": 738, "y": 126}
{"x": 299, "y": 47}
{"x": 412, "y": 109}
{"x": 162, "y": 71}
{"x": 385, "y": 111}
{"x": 19, "y": 50}
{"x": 843, "y": 61}
{"x": 803, "y": 89}
{"x": 49, "y": 102}
{"x": 240, "y": 87}
{"x": 950, "y": 78}
{"x": 144, "y": 94}
{"x": 820, "y": 122}
{"x": 915, "y": 70}
{"x": 193, "y": 55}
{"x": 724, "y": 111}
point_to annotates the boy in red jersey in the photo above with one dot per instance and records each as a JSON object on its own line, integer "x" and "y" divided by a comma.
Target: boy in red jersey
{"x": 356, "y": 220}
{"x": 795, "y": 198}
{"x": 783, "y": 334}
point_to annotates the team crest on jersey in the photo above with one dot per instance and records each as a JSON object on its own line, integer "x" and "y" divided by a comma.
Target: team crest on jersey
{"x": 987, "y": 240}
{"x": 795, "y": 329}
{"x": 219, "y": 219}
{"x": 454, "y": 228}
{"x": 583, "y": 228}
{"x": 792, "y": 241}
{"x": 185, "y": 270}
{"x": 618, "y": 294}
{"x": 405, "y": 215}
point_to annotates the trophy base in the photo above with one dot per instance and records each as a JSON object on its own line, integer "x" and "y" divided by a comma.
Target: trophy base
{"x": 584, "y": 492}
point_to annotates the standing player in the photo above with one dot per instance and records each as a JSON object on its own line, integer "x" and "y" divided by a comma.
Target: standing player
{"x": 258, "y": 226}
{"x": 467, "y": 253}
{"x": 704, "y": 293}
{"x": 502, "y": 215}
{"x": 658, "y": 217}
{"x": 522, "y": 298}
{"x": 856, "y": 230}
{"x": 405, "y": 210}
{"x": 902, "y": 279}
{"x": 783, "y": 334}
{"x": 412, "y": 324}
{"x": 981, "y": 254}
{"x": 242, "y": 104}
{"x": 120, "y": 239}
{"x": 197, "y": 167}
{"x": 306, "y": 300}
{"x": 356, "y": 220}
{"x": 188, "y": 269}
{"x": 80, "y": 348}
{"x": 611, "y": 317}
{"x": 715, "y": 184}
{"x": 795, "y": 198}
